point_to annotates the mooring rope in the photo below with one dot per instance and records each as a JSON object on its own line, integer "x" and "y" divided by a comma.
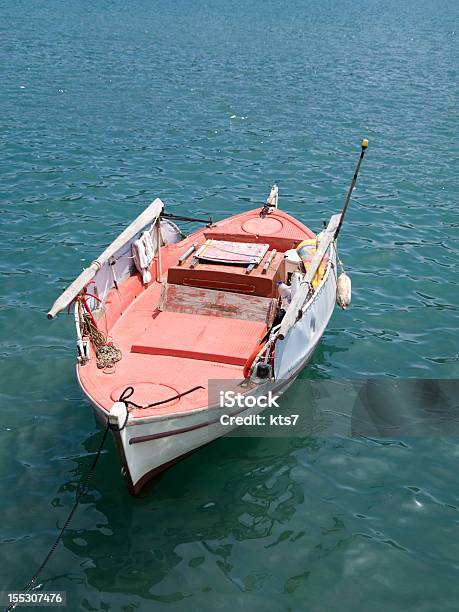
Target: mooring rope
{"x": 83, "y": 488}
{"x": 129, "y": 391}
{"x": 82, "y": 491}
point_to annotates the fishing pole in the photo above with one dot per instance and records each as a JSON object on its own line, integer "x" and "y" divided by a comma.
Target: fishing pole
{"x": 364, "y": 146}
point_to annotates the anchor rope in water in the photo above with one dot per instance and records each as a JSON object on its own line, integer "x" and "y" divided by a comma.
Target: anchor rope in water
{"x": 83, "y": 489}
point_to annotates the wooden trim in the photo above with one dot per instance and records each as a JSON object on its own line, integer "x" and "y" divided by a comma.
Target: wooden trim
{"x": 294, "y": 311}
{"x": 180, "y": 430}
{"x": 269, "y": 261}
{"x": 163, "y": 296}
{"x": 174, "y": 432}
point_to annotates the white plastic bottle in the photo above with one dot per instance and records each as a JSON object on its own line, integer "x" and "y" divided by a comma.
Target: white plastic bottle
{"x": 285, "y": 293}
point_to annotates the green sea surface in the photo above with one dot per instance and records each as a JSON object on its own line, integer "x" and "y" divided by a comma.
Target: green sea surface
{"x": 106, "y": 105}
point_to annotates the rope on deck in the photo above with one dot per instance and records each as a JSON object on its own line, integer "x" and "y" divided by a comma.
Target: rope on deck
{"x": 128, "y": 392}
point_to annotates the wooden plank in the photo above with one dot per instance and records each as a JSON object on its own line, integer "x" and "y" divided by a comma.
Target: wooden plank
{"x": 149, "y": 215}
{"x": 268, "y": 261}
{"x": 232, "y": 252}
{"x": 158, "y": 242}
{"x": 195, "y": 300}
{"x": 162, "y": 296}
{"x": 293, "y": 313}
{"x": 200, "y": 337}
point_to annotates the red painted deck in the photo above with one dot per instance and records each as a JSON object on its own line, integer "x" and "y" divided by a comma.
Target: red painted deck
{"x": 167, "y": 353}
{"x": 194, "y": 336}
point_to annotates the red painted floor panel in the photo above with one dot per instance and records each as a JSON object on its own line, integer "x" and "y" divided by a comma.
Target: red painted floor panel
{"x": 207, "y": 338}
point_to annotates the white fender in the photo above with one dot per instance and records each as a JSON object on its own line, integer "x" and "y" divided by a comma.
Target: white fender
{"x": 141, "y": 260}
{"x": 343, "y": 290}
{"x": 118, "y": 415}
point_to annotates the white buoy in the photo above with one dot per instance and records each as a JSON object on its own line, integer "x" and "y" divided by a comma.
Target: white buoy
{"x": 343, "y": 290}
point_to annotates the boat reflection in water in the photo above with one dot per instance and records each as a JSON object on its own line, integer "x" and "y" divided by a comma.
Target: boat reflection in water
{"x": 188, "y": 524}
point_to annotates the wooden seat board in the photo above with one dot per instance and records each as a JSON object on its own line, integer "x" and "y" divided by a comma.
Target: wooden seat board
{"x": 196, "y": 300}
{"x": 207, "y": 338}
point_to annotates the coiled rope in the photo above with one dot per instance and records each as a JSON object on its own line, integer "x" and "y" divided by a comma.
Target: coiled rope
{"x": 106, "y": 352}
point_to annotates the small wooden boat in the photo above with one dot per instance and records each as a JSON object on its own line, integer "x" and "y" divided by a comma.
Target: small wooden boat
{"x": 159, "y": 317}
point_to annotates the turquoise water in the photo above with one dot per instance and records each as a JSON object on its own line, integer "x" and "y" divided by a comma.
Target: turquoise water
{"x": 106, "y": 105}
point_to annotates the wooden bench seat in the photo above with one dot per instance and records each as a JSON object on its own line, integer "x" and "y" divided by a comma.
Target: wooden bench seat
{"x": 196, "y": 300}
{"x": 207, "y": 338}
